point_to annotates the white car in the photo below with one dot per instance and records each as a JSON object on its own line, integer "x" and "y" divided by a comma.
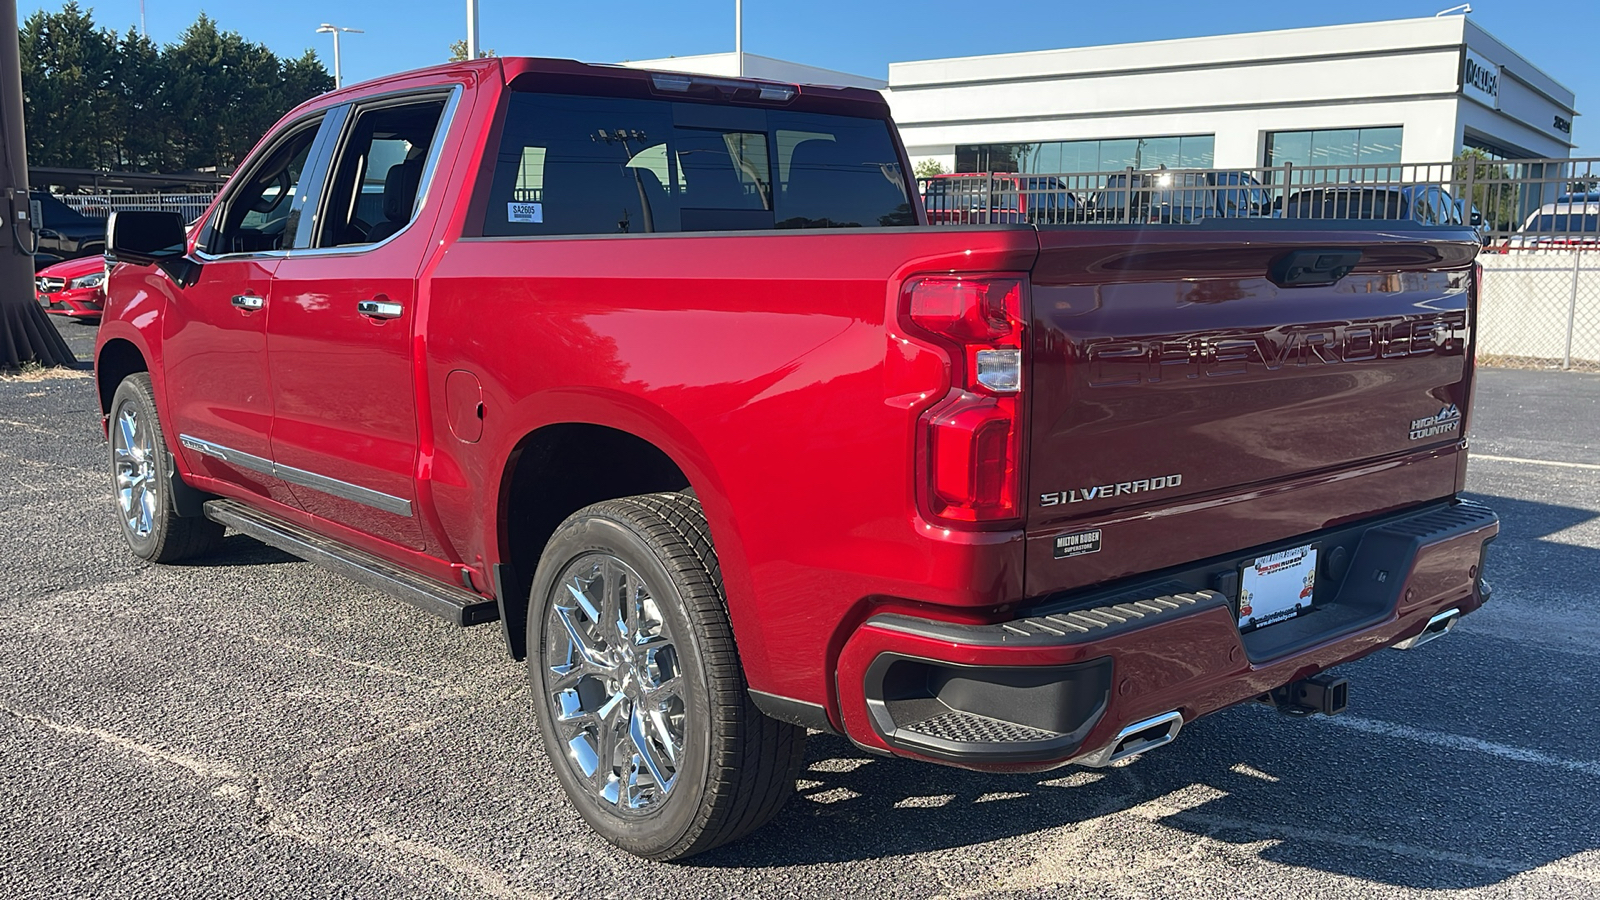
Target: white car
{"x": 1566, "y": 223}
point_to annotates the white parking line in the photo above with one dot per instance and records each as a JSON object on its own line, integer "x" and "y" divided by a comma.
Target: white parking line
{"x": 1535, "y": 462}
{"x": 1460, "y": 742}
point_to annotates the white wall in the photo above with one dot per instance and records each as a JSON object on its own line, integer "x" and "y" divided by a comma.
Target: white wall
{"x": 1236, "y": 87}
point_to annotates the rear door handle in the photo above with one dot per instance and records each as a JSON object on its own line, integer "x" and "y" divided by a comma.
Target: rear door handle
{"x": 380, "y": 309}
{"x": 248, "y": 301}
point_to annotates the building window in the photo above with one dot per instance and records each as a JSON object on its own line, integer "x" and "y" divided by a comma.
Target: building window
{"x": 1196, "y": 151}
{"x": 1335, "y": 147}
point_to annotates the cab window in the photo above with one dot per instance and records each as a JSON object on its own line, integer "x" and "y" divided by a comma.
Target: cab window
{"x": 261, "y": 214}
{"x": 377, "y": 178}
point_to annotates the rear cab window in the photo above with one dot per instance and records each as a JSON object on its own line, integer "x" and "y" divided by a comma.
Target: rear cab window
{"x": 570, "y": 165}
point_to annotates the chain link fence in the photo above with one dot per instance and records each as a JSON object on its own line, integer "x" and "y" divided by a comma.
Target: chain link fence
{"x": 1541, "y": 308}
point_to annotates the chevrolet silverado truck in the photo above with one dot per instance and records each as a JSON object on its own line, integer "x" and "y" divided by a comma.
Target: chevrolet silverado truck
{"x": 669, "y": 375}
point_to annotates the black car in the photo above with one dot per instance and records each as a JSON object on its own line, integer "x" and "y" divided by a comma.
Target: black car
{"x": 1425, "y": 203}
{"x": 65, "y": 233}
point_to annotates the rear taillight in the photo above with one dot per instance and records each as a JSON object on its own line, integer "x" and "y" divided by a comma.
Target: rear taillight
{"x": 972, "y": 439}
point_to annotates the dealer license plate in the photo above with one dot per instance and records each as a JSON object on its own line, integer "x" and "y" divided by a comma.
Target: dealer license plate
{"x": 1277, "y": 587}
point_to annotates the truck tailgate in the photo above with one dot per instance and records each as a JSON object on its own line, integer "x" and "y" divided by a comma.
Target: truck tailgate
{"x": 1184, "y": 404}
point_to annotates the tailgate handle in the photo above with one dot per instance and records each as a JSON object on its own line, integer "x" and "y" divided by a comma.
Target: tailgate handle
{"x": 1311, "y": 268}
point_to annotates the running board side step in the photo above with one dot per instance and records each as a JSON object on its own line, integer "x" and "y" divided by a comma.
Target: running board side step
{"x": 445, "y": 601}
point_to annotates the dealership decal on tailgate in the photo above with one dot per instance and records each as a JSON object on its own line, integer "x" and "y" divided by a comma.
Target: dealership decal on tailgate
{"x": 1277, "y": 587}
{"x": 1077, "y": 544}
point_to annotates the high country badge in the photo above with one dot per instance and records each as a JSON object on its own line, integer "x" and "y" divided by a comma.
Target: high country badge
{"x": 1446, "y": 421}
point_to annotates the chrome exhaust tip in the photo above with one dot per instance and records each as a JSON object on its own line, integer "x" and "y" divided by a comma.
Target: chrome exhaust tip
{"x": 1437, "y": 627}
{"x": 1136, "y": 739}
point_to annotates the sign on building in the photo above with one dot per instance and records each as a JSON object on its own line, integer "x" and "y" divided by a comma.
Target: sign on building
{"x": 1480, "y": 79}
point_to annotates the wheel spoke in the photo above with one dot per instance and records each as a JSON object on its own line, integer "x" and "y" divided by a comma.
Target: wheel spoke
{"x": 147, "y": 510}
{"x": 583, "y": 754}
{"x": 647, "y": 751}
{"x": 580, "y": 641}
{"x": 584, "y": 602}
{"x": 658, "y": 719}
{"x": 613, "y": 745}
{"x": 610, "y": 705}
{"x": 127, "y": 426}
{"x": 617, "y": 582}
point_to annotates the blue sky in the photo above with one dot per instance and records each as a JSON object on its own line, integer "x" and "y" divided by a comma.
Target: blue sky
{"x": 860, "y": 37}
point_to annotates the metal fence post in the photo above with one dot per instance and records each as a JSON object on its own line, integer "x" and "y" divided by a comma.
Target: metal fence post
{"x": 1127, "y": 200}
{"x": 1572, "y": 307}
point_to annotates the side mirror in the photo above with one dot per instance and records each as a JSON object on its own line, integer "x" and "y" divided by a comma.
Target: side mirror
{"x": 145, "y": 237}
{"x": 1477, "y": 219}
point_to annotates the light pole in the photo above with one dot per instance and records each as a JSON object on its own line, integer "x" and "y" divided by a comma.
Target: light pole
{"x": 325, "y": 28}
{"x": 472, "y": 29}
{"x": 738, "y": 37}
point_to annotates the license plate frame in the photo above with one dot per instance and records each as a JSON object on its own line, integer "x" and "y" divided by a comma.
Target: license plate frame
{"x": 1277, "y": 587}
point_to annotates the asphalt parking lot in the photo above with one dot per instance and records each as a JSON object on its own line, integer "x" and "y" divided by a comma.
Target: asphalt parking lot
{"x": 258, "y": 727}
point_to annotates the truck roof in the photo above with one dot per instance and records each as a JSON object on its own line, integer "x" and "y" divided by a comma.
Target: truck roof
{"x": 571, "y": 76}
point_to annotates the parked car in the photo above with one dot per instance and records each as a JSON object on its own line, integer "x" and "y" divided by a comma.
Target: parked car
{"x": 1162, "y": 197}
{"x": 999, "y": 200}
{"x": 1425, "y": 203}
{"x": 734, "y": 446}
{"x": 65, "y": 233}
{"x": 1558, "y": 226}
{"x": 75, "y": 288}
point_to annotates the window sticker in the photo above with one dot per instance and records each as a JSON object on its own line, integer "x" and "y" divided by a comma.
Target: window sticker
{"x": 525, "y": 212}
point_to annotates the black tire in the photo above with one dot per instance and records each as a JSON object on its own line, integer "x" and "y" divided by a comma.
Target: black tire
{"x": 736, "y": 767}
{"x": 147, "y": 517}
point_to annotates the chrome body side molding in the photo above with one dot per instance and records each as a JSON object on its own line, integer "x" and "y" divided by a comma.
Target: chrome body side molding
{"x": 342, "y": 489}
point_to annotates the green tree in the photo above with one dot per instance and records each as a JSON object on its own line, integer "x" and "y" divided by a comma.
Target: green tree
{"x": 1495, "y": 193}
{"x": 458, "y": 51}
{"x": 96, "y": 99}
{"x": 66, "y": 64}
{"x": 928, "y": 168}
{"x": 137, "y": 122}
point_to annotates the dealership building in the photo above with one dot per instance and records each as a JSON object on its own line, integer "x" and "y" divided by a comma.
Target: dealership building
{"x": 1406, "y": 91}
{"x": 1377, "y": 93}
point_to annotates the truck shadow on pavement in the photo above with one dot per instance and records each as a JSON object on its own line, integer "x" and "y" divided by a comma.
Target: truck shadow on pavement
{"x": 1458, "y": 765}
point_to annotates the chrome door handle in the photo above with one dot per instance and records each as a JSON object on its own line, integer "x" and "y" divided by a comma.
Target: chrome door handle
{"x": 380, "y": 309}
{"x": 248, "y": 301}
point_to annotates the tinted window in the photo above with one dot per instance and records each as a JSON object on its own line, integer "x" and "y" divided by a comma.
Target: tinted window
{"x": 1344, "y": 204}
{"x": 258, "y": 215}
{"x": 378, "y": 177}
{"x": 57, "y": 213}
{"x": 604, "y": 165}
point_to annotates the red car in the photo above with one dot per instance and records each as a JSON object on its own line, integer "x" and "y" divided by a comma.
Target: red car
{"x": 75, "y": 288}
{"x": 669, "y": 375}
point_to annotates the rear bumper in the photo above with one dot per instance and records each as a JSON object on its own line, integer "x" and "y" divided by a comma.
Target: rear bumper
{"x": 1077, "y": 675}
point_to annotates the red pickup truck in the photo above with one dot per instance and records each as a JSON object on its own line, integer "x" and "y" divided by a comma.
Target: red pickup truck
{"x": 670, "y": 376}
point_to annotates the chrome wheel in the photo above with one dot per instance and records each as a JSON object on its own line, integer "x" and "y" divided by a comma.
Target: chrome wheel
{"x": 613, "y": 686}
{"x": 133, "y": 461}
